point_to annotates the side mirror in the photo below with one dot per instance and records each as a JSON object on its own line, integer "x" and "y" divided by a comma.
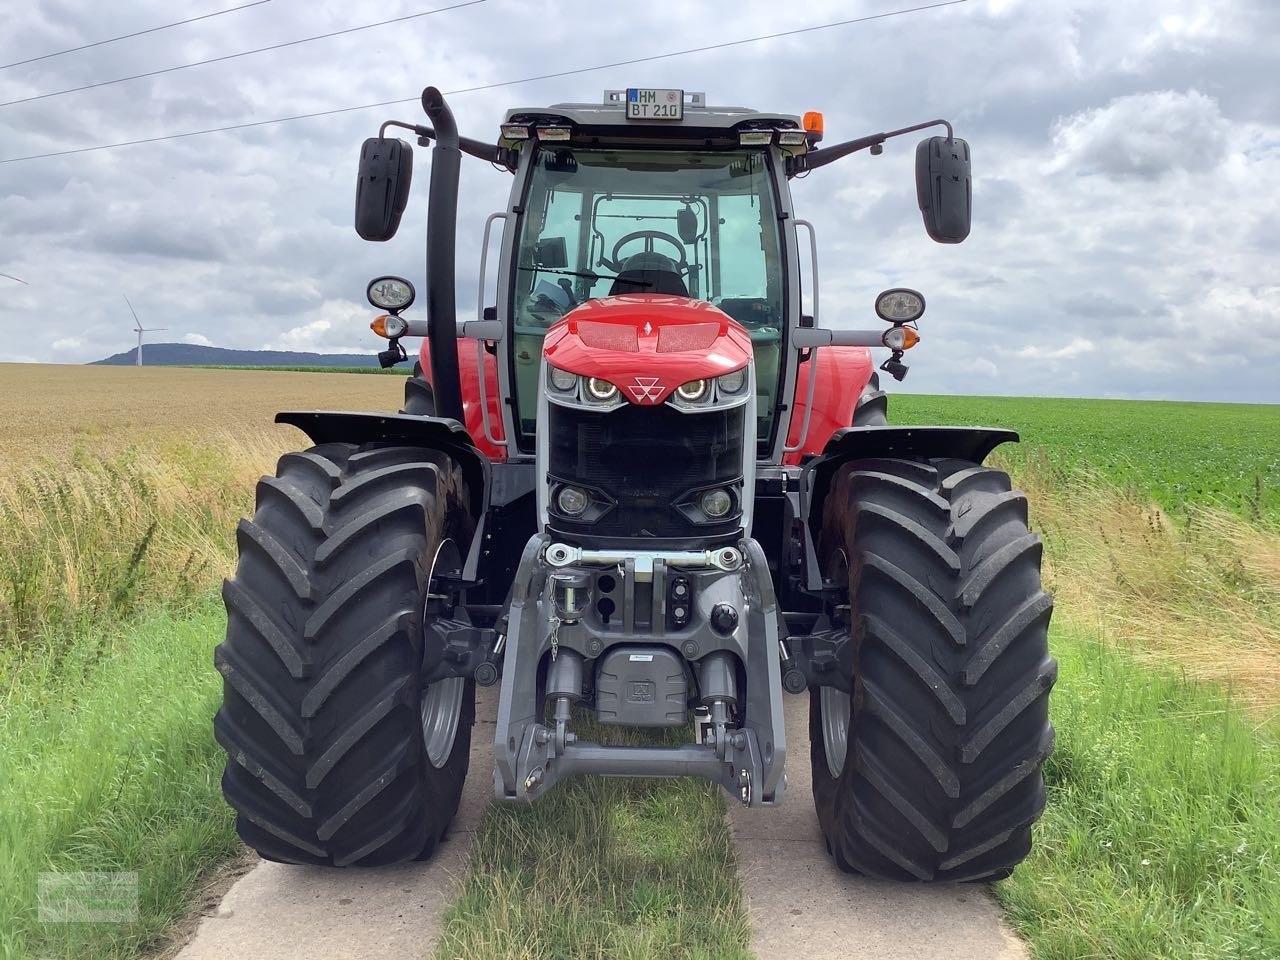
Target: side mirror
{"x": 386, "y": 170}
{"x": 687, "y": 224}
{"x": 943, "y": 187}
{"x": 550, "y": 253}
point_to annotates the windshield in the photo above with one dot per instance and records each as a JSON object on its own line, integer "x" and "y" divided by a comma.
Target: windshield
{"x": 604, "y": 222}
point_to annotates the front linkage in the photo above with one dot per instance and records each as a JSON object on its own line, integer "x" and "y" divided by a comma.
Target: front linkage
{"x": 716, "y": 607}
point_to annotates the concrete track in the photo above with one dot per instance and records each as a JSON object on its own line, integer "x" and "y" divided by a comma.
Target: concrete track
{"x": 801, "y": 907}
{"x": 278, "y": 912}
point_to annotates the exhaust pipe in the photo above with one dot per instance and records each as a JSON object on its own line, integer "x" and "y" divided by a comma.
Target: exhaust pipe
{"x": 442, "y": 235}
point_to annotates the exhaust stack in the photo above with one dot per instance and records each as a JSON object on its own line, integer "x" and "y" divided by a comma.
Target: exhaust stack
{"x": 442, "y": 223}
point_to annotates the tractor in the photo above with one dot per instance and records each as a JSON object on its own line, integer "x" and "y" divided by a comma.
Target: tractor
{"x": 647, "y": 487}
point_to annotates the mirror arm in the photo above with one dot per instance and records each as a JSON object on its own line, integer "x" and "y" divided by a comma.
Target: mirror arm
{"x": 820, "y": 158}
{"x": 475, "y": 148}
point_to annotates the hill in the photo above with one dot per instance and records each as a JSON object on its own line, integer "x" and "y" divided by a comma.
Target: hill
{"x": 194, "y": 355}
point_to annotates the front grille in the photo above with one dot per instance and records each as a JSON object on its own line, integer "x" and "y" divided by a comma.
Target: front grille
{"x": 645, "y": 459}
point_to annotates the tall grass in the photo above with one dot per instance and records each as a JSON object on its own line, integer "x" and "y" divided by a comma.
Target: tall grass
{"x": 1201, "y": 590}
{"x": 1161, "y": 838}
{"x": 106, "y": 764}
{"x": 105, "y": 537}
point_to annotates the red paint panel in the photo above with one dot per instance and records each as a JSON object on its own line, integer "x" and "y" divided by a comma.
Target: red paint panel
{"x": 658, "y": 342}
{"x": 470, "y": 380}
{"x": 842, "y": 374}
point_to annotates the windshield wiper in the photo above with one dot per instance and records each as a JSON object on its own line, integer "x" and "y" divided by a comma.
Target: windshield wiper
{"x": 586, "y": 275}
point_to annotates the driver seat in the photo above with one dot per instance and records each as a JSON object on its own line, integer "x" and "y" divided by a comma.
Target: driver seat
{"x": 649, "y": 273}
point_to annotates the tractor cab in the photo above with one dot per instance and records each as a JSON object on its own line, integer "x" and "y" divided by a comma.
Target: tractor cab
{"x": 607, "y": 203}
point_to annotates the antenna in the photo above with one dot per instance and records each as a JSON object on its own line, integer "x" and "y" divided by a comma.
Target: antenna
{"x": 139, "y": 329}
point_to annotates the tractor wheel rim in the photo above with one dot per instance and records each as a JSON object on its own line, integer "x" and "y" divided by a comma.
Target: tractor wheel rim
{"x": 441, "y": 705}
{"x": 836, "y": 708}
{"x": 440, "y": 709}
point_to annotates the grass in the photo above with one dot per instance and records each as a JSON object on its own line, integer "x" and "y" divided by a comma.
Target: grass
{"x": 1199, "y": 590}
{"x": 110, "y": 553}
{"x": 106, "y": 764}
{"x": 1179, "y": 454}
{"x": 101, "y": 539}
{"x": 1161, "y": 838}
{"x": 623, "y": 869}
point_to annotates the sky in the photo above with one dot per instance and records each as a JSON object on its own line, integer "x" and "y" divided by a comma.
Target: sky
{"x": 1126, "y": 158}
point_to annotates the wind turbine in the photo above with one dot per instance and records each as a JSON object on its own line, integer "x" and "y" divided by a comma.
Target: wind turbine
{"x": 139, "y": 329}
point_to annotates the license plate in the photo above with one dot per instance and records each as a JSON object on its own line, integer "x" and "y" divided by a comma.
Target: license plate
{"x": 646, "y": 103}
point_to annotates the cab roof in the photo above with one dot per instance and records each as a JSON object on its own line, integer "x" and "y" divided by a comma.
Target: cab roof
{"x": 606, "y": 123}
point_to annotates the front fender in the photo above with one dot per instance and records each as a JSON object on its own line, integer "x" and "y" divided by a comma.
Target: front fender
{"x": 869, "y": 443}
{"x": 439, "y": 433}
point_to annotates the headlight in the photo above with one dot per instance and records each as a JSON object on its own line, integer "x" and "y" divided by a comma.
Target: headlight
{"x": 732, "y": 382}
{"x": 900, "y": 305}
{"x": 390, "y": 293}
{"x": 572, "y": 501}
{"x": 562, "y": 380}
{"x": 716, "y": 503}
{"x": 693, "y": 391}
{"x": 601, "y": 391}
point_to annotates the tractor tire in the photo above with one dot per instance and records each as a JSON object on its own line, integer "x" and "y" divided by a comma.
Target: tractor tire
{"x": 336, "y": 753}
{"x": 873, "y": 406}
{"x": 419, "y": 398}
{"x": 932, "y": 769}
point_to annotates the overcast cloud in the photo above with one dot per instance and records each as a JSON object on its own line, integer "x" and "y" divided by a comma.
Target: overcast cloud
{"x": 1126, "y": 163}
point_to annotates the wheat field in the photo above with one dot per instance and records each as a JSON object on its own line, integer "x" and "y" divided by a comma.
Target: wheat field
{"x": 51, "y": 411}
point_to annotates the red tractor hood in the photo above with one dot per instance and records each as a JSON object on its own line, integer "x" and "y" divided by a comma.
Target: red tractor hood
{"x": 647, "y": 344}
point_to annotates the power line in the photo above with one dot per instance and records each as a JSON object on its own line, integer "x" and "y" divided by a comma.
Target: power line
{"x": 234, "y": 56}
{"x": 487, "y": 86}
{"x": 126, "y": 36}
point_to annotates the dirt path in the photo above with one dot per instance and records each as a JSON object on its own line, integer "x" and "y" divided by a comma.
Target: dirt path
{"x": 278, "y": 912}
{"x": 803, "y": 908}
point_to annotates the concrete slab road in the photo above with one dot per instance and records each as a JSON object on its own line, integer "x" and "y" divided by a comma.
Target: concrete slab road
{"x": 803, "y": 908}
{"x": 279, "y": 912}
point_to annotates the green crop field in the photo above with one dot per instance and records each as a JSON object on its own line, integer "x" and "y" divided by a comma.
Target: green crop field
{"x": 1221, "y": 454}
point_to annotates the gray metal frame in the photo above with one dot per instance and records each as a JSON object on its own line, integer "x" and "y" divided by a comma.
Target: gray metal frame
{"x": 749, "y": 760}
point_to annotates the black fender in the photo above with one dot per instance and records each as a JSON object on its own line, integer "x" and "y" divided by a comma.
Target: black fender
{"x": 869, "y": 443}
{"x": 438, "y": 433}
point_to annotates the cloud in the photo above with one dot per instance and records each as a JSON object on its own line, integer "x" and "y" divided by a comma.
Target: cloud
{"x": 339, "y": 326}
{"x": 68, "y": 343}
{"x": 1078, "y": 347}
{"x": 197, "y": 338}
{"x": 1144, "y": 135}
{"x": 1122, "y": 157}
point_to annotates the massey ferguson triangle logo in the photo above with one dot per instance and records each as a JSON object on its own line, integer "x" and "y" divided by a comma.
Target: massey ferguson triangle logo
{"x": 646, "y": 388}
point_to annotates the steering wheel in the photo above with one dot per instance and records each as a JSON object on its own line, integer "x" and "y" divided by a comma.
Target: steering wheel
{"x": 649, "y": 236}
